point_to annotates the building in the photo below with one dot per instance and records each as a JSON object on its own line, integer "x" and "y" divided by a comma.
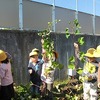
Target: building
{"x": 35, "y": 16}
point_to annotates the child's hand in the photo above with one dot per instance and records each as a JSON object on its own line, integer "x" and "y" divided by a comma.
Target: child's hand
{"x": 76, "y": 45}
{"x": 30, "y": 71}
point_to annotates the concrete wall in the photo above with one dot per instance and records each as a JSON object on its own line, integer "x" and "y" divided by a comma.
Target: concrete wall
{"x": 37, "y": 15}
{"x": 20, "y": 43}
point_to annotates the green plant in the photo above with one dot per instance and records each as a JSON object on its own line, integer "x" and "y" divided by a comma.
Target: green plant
{"x": 75, "y": 26}
{"x": 22, "y": 92}
{"x": 48, "y": 45}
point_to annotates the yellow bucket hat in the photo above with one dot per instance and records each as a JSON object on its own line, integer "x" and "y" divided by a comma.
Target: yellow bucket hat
{"x": 35, "y": 49}
{"x": 33, "y": 53}
{"x": 90, "y": 52}
{"x": 3, "y": 55}
{"x": 97, "y": 51}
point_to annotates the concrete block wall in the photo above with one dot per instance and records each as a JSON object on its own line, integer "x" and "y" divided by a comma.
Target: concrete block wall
{"x": 20, "y": 43}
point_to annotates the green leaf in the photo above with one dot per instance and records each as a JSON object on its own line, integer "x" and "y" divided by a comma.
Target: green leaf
{"x": 77, "y": 31}
{"x": 71, "y": 66}
{"x": 77, "y": 23}
{"x": 81, "y": 55}
{"x": 57, "y": 65}
{"x": 72, "y": 59}
{"x": 79, "y": 71}
{"x": 67, "y": 33}
{"x": 81, "y": 40}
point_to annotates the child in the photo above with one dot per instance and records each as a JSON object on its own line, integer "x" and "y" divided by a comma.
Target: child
{"x": 34, "y": 69}
{"x": 7, "y": 90}
{"x": 47, "y": 76}
{"x": 90, "y": 74}
{"x": 97, "y": 55}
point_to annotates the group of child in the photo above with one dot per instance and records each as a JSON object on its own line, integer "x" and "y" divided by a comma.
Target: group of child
{"x": 37, "y": 70}
{"x": 91, "y": 72}
{"x": 38, "y": 76}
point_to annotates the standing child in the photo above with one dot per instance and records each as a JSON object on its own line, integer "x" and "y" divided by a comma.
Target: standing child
{"x": 47, "y": 75}
{"x": 90, "y": 74}
{"x": 7, "y": 90}
{"x": 97, "y": 55}
{"x": 34, "y": 69}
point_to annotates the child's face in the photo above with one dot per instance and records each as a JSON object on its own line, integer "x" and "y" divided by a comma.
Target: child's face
{"x": 90, "y": 59}
{"x": 34, "y": 58}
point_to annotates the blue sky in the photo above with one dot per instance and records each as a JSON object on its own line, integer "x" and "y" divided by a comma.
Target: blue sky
{"x": 83, "y": 5}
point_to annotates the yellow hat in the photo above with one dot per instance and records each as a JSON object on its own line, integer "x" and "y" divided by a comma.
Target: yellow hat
{"x": 33, "y": 53}
{"x": 3, "y": 55}
{"x": 35, "y": 49}
{"x": 90, "y": 52}
{"x": 97, "y": 52}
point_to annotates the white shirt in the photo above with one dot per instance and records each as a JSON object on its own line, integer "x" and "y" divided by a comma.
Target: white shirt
{"x": 49, "y": 78}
